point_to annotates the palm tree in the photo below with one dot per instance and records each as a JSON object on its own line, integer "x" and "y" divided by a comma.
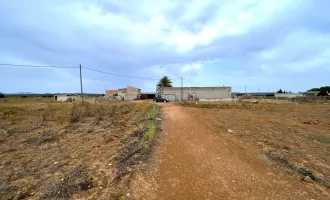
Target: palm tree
{"x": 164, "y": 82}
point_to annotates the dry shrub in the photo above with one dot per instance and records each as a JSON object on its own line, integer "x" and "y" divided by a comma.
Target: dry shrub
{"x": 79, "y": 110}
{"x": 8, "y": 111}
{"x": 41, "y": 138}
{"x": 75, "y": 181}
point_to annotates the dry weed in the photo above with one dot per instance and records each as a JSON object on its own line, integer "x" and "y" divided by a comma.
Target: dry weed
{"x": 75, "y": 181}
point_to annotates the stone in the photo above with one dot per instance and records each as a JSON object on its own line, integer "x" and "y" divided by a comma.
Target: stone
{"x": 308, "y": 179}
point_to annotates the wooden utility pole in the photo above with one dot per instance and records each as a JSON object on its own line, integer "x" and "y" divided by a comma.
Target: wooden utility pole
{"x": 181, "y": 89}
{"x": 81, "y": 87}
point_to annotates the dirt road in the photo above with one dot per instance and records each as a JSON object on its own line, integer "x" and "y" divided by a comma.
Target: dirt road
{"x": 195, "y": 161}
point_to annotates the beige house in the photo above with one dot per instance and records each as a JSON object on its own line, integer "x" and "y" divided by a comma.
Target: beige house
{"x": 128, "y": 93}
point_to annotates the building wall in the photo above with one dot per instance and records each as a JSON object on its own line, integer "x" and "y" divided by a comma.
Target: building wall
{"x": 311, "y": 94}
{"x": 288, "y": 95}
{"x": 128, "y": 93}
{"x": 132, "y": 91}
{"x": 61, "y": 97}
{"x": 110, "y": 93}
{"x": 201, "y": 93}
{"x": 130, "y": 97}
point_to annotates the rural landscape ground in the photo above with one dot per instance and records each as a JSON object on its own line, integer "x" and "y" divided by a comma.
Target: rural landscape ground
{"x": 197, "y": 151}
{"x": 72, "y": 151}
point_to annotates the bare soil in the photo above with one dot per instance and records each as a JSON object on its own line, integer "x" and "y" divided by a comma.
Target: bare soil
{"x": 240, "y": 151}
{"x": 71, "y": 151}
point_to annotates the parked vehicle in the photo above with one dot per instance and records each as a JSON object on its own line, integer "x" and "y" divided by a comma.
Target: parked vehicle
{"x": 160, "y": 99}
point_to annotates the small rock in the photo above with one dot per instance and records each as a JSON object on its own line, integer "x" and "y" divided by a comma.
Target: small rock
{"x": 55, "y": 163}
{"x": 230, "y": 131}
{"x": 158, "y": 119}
{"x": 109, "y": 164}
{"x": 308, "y": 179}
{"x": 128, "y": 194}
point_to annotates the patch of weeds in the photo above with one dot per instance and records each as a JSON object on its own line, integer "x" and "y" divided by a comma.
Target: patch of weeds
{"x": 100, "y": 111}
{"x": 122, "y": 198}
{"x": 10, "y": 110}
{"x": 23, "y": 193}
{"x": 40, "y": 138}
{"x": 142, "y": 126}
{"x": 319, "y": 138}
{"x": 78, "y": 111}
{"x": 149, "y": 135}
{"x": 153, "y": 112}
{"x": 75, "y": 181}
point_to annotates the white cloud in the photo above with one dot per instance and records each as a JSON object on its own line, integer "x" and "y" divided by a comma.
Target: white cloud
{"x": 168, "y": 37}
{"x": 191, "y": 67}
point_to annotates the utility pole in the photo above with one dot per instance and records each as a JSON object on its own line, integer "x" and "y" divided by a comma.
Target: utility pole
{"x": 81, "y": 87}
{"x": 181, "y": 89}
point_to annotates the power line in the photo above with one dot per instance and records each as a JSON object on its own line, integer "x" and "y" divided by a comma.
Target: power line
{"x": 62, "y": 67}
{"x": 35, "y": 66}
{"x": 94, "y": 70}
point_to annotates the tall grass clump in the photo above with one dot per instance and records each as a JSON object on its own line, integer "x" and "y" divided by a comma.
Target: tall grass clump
{"x": 79, "y": 110}
{"x": 153, "y": 112}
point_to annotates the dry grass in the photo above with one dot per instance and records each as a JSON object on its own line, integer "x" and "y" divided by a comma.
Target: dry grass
{"x": 71, "y": 151}
{"x": 295, "y": 137}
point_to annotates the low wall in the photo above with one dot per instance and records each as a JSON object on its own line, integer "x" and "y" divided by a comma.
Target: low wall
{"x": 314, "y": 99}
{"x": 288, "y": 95}
{"x": 215, "y": 100}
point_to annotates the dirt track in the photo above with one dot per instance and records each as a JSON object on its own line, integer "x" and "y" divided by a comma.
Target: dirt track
{"x": 194, "y": 161}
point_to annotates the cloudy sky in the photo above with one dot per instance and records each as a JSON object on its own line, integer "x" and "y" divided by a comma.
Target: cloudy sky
{"x": 263, "y": 44}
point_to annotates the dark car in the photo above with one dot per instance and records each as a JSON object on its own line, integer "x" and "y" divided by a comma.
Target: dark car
{"x": 160, "y": 99}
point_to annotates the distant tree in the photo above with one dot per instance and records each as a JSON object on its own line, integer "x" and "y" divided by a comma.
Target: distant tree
{"x": 314, "y": 89}
{"x": 279, "y": 91}
{"x": 2, "y": 96}
{"x": 323, "y": 93}
{"x": 164, "y": 82}
{"x": 324, "y": 88}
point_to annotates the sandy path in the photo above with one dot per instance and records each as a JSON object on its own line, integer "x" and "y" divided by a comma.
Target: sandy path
{"x": 194, "y": 161}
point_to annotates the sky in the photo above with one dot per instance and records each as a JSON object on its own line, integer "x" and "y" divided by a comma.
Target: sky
{"x": 262, "y": 45}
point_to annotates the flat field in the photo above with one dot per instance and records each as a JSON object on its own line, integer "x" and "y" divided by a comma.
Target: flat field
{"x": 296, "y": 137}
{"x": 72, "y": 151}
